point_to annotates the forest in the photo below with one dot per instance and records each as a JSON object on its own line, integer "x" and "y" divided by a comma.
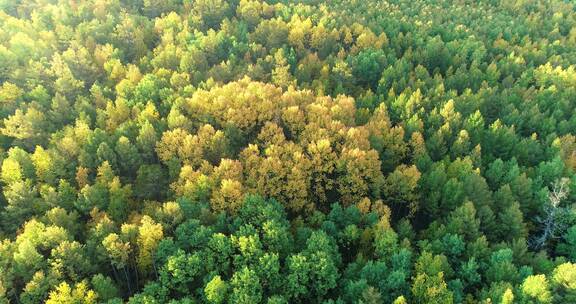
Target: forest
{"x": 287, "y": 151}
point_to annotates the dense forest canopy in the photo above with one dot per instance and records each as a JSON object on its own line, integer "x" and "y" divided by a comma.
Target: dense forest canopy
{"x": 247, "y": 151}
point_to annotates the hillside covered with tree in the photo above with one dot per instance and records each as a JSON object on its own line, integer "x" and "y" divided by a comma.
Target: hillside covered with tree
{"x": 248, "y": 151}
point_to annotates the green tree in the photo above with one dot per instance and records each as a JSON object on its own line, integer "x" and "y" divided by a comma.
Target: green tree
{"x": 215, "y": 290}
{"x": 367, "y": 67}
{"x": 246, "y": 286}
{"x": 150, "y": 182}
{"x": 431, "y": 289}
{"x": 128, "y": 156}
{"x": 211, "y": 12}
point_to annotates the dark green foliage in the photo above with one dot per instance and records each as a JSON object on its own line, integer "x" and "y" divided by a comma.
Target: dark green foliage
{"x": 262, "y": 151}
